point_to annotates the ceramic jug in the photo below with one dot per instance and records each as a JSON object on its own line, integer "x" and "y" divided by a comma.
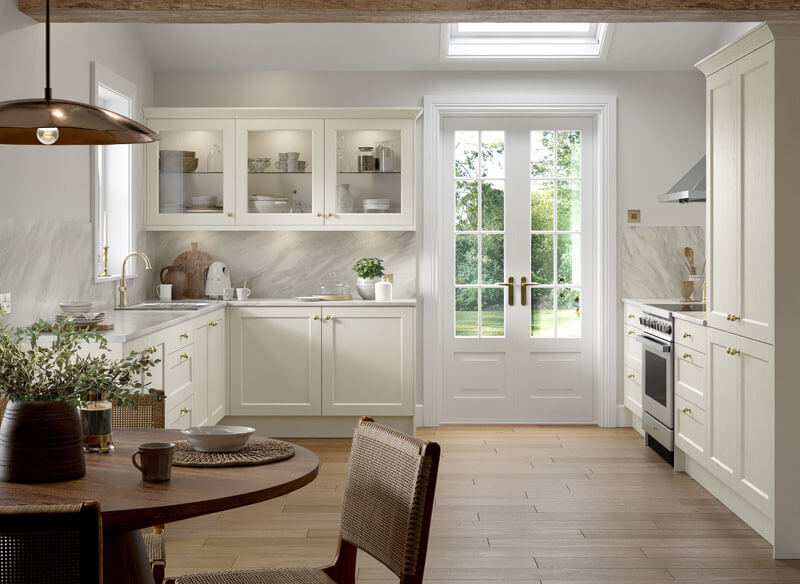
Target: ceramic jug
{"x": 177, "y": 277}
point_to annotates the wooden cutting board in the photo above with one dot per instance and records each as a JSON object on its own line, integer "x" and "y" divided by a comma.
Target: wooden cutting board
{"x": 194, "y": 263}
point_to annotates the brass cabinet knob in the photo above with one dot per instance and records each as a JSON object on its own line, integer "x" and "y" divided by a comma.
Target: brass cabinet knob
{"x": 184, "y": 355}
{"x": 330, "y": 214}
{"x": 733, "y": 317}
{"x": 151, "y": 350}
{"x": 328, "y": 317}
{"x": 630, "y": 315}
{"x": 319, "y": 213}
{"x": 185, "y": 410}
{"x": 687, "y": 355}
{"x": 631, "y": 332}
{"x": 213, "y": 323}
{"x": 315, "y": 317}
{"x": 732, "y": 351}
{"x": 229, "y": 213}
{"x": 687, "y": 410}
{"x": 184, "y": 335}
{"x": 687, "y": 335}
{"x": 631, "y": 375}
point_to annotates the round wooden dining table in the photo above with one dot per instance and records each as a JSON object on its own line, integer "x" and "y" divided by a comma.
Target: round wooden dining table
{"x": 128, "y": 504}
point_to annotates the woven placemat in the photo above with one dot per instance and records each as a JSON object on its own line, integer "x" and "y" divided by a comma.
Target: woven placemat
{"x": 257, "y": 451}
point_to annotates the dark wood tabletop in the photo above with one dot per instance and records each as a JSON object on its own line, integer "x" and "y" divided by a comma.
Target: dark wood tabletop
{"x": 127, "y": 503}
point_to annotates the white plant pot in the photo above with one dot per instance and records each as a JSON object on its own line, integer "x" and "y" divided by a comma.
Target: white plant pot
{"x": 366, "y": 287}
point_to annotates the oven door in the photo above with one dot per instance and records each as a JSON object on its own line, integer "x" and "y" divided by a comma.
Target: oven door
{"x": 657, "y": 389}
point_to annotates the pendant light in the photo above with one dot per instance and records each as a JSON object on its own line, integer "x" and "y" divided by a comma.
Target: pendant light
{"x": 60, "y": 122}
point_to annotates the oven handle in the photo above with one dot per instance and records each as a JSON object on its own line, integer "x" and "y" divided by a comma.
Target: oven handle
{"x": 654, "y": 345}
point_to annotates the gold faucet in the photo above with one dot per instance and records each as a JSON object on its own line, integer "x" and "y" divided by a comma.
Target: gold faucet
{"x": 123, "y": 290}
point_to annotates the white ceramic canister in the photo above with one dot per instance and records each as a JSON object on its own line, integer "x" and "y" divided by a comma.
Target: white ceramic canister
{"x": 383, "y": 291}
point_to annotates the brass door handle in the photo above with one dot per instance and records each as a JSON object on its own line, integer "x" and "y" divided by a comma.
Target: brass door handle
{"x": 184, "y": 335}
{"x": 184, "y": 355}
{"x": 631, "y": 332}
{"x": 687, "y": 410}
{"x": 687, "y": 335}
{"x": 631, "y": 375}
{"x": 523, "y": 285}
{"x": 687, "y": 355}
{"x": 630, "y": 315}
{"x": 510, "y": 286}
{"x": 213, "y": 323}
{"x": 185, "y": 410}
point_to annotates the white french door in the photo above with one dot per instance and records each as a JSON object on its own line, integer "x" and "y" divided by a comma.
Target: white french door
{"x": 517, "y": 269}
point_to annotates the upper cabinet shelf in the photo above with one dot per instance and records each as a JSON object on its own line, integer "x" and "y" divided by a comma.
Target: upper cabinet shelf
{"x": 328, "y": 169}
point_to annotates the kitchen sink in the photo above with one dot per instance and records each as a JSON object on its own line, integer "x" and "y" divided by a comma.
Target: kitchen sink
{"x": 165, "y": 306}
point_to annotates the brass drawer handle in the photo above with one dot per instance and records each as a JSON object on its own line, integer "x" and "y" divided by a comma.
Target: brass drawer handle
{"x": 631, "y": 315}
{"x": 631, "y": 332}
{"x": 687, "y": 410}
{"x": 687, "y": 355}
{"x": 185, "y": 410}
{"x": 732, "y": 351}
{"x": 733, "y": 317}
{"x": 184, "y": 335}
{"x": 184, "y": 355}
{"x": 631, "y": 375}
{"x": 213, "y": 323}
{"x": 687, "y": 335}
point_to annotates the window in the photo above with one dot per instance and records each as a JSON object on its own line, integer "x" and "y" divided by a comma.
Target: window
{"x": 524, "y": 40}
{"x": 112, "y": 177}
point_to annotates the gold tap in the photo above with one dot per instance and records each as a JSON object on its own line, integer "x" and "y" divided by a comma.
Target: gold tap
{"x": 123, "y": 290}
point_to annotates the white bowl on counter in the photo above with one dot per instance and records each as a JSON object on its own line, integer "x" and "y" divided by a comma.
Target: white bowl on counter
{"x": 218, "y": 438}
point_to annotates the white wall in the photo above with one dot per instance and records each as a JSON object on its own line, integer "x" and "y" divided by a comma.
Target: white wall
{"x": 45, "y": 192}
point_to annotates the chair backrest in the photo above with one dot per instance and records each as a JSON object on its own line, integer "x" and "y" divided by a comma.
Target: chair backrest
{"x": 388, "y": 497}
{"x": 148, "y": 413}
{"x": 51, "y": 544}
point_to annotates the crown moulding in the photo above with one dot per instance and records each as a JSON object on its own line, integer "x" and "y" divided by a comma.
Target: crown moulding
{"x": 424, "y": 11}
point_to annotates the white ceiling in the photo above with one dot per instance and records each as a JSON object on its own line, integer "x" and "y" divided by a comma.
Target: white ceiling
{"x": 405, "y": 47}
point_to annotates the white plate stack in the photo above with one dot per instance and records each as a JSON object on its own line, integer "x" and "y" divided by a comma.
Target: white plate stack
{"x": 270, "y": 203}
{"x": 376, "y": 205}
{"x": 81, "y": 312}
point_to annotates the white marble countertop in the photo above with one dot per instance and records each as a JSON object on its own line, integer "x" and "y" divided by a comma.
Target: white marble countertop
{"x": 695, "y": 317}
{"x": 132, "y": 324}
{"x": 672, "y": 300}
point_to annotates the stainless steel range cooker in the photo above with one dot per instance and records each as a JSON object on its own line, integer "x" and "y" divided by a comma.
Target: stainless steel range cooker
{"x": 658, "y": 392}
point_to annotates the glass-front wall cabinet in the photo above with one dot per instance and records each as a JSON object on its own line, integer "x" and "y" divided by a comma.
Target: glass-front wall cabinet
{"x": 279, "y": 172}
{"x": 190, "y": 173}
{"x": 368, "y": 177}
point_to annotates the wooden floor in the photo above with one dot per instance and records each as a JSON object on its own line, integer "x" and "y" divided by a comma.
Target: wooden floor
{"x": 518, "y": 504}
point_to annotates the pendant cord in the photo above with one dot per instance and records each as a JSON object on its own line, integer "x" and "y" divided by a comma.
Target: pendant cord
{"x": 48, "y": 92}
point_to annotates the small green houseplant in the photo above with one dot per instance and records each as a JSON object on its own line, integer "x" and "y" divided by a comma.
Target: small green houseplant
{"x": 44, "y": 376}
{"x": 368, "y": 271}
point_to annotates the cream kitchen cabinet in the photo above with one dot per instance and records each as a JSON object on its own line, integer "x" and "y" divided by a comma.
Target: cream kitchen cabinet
{"x": 741, "y": 416}
{"x": 632, "y": 363}
{"x": 298, "y": 361}
{"x": 740, "y": 118}
{"x": 208, "y": 368}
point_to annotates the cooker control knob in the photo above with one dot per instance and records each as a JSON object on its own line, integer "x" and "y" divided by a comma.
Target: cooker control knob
{"x": 668, "y": 328}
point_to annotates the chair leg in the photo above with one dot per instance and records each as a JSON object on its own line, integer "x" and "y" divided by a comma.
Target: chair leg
{"x": 158, "y": 569}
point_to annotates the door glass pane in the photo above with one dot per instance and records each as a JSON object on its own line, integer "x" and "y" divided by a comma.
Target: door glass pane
{"x": 542, "y": 164}
{"x": 492, "y": 154}
{"x": 542, "y": 319}
{"x": 569, "y": 256}
{"x": 569, "y": 312}
{"x": 569, "y": 153}
{"x": 569, "y": 205}
{"x": 466, "y": 154}
{"x": 368, "y": 165}
{"x": 492, "y": 312}
{"x": 189, "y": 176}
{"x": 466, "y": 205}
{"x": 493, "y": 205}
{"x": 493, "y": 265}
{"x": 466, "y": 312}
{"x": 279, "y": 171}
{"x": 466, "y": 259}
{"x": 542, "y": 258}
{"x": 542, "y": 197}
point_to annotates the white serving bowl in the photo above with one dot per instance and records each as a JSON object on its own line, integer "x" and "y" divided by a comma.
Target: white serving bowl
{"x": 271, "y": 206}
{"x": 218, "y": 438}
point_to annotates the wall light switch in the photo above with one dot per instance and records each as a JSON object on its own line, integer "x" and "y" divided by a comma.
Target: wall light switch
{"x": 5, "y": 303}
{"x": 634, "y": 215}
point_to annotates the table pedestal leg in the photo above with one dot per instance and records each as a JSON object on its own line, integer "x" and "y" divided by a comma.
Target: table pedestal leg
{"x": 125, "y": 559}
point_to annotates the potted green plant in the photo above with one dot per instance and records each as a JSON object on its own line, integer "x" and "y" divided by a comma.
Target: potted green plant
{"x": 45, "y": 379}
{"x": 368, "y": 271}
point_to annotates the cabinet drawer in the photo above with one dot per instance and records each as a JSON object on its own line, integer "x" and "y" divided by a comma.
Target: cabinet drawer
{"x": 631, "y": 314}
{"x": 690, "y": 335}
{"x": 179, "y": 416}
{"x": 690, "y": 375}
{"x": 178, "y": 372}
{"x": 690, "y": 429}
{"x": 179, "y": 337}
{"x": 632, "y": 389}
{"x": 631, "y": 348}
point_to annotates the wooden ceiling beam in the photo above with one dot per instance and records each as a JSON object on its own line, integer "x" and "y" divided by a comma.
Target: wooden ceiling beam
{"x": 422, "y": 11}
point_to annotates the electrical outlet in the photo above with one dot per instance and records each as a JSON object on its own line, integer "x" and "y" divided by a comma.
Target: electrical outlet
{"x": 5, "y": 303}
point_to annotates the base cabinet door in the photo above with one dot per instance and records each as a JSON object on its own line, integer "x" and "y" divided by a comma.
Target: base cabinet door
{"x": 741, "y": 416}
{"x": 275, "y": 359}
{"x": 200, "y": 374}
{"x": 216, "y": 376}
{"x": 368, "y": 361}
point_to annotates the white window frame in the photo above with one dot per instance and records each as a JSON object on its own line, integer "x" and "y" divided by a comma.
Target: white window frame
{"x": 101, "y": 76}
{"x": 520, "y": 45}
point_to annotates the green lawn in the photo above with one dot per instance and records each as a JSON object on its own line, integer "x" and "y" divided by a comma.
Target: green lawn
{"x": 467, "y": 322}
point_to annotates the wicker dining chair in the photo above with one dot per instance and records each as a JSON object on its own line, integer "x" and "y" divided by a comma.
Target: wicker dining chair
{"x": 147, "y": 414}
{"x": 51, "y": 544}
{"x": 386, "y": 512}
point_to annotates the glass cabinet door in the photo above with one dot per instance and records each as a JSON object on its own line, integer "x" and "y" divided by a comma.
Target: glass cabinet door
{"x": 190, "y": 178}
{"x": 368, "y": 172}
{"x": 279, "y": 178}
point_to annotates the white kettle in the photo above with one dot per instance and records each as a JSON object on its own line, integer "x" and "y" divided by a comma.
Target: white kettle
{"x": 218, "y": 277}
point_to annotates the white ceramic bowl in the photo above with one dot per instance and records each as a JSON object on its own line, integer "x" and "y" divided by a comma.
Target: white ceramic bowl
{"x": 271, "y": 206}
{"x": 218, "y": 438}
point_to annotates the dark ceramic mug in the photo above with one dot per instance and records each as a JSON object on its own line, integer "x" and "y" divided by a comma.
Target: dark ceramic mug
{"x": 155, "y": 459}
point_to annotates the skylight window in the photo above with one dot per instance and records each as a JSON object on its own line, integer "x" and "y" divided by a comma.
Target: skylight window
{"x": 524, "y": 40}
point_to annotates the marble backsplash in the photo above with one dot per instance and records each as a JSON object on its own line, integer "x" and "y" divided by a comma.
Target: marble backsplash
{"x": 43, "y": 263}
{"x": 282, "y": 264}
{"x": 651, "y": 259}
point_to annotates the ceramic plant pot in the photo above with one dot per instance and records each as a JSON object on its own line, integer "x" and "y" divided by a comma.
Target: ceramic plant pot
{"x": 366, "y": 287}
{"x": 41, "y": 442}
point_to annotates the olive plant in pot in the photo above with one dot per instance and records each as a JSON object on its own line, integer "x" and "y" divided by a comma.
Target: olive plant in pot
{"x": 368, "y": 270}
{"x": 45, "y": 379}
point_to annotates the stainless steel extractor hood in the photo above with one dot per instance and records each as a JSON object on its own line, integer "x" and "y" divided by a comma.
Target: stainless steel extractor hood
{"x": 691, "y": 188}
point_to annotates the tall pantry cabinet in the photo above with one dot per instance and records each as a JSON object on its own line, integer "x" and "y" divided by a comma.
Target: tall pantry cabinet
{"x": 753, "y": 131}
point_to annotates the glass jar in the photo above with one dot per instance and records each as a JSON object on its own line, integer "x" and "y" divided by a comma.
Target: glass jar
{"x": 96, "y": 424}
{"x": 366, "y": 159}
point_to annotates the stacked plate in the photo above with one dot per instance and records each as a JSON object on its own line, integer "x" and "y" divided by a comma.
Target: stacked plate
{"x": 80, "y": 312}
{"x": 204, "y": 203}
{"x": 270, "y": 203}
{"x": 177, "y": 160}
{"x": 376, "y": 205}
{"x": 76, "y": 307}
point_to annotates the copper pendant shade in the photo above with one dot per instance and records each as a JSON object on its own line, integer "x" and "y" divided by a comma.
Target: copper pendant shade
{"x": 66, "y": 123}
